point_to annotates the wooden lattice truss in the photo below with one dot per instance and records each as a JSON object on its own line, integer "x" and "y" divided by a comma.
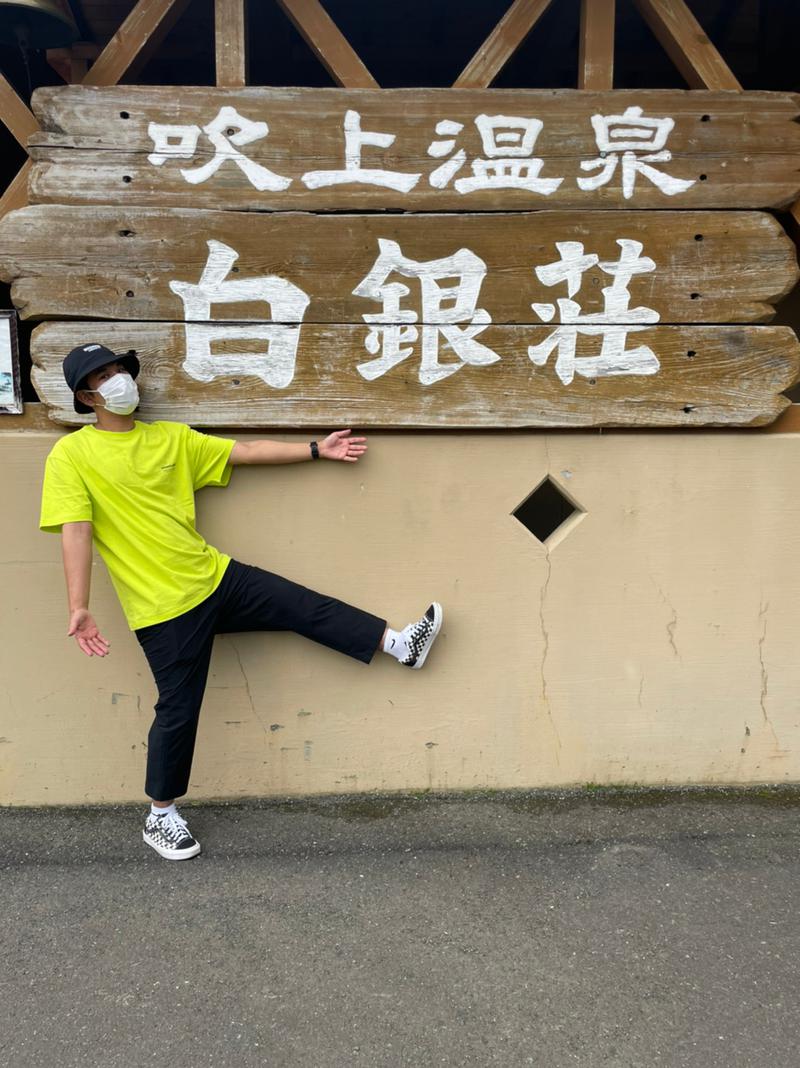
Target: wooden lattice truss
{"x": 676, "y": 28}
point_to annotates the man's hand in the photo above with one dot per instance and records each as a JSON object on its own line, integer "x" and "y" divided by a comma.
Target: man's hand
{"x": 83, "y": 626}
{"x": 340, "y": 446}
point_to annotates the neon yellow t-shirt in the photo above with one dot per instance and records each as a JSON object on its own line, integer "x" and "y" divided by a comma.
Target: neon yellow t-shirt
{"x": 137, "y": 489}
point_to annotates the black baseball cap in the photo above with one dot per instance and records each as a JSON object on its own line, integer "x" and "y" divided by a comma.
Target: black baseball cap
{"x": 84, "y": 359}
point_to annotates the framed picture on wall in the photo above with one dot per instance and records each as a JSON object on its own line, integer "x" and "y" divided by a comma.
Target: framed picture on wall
{"x": 10, "y": 386}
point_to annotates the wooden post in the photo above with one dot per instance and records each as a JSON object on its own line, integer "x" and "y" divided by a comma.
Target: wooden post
{"x": 230, "y": 40}
{"x": 685, "y": 42}
{"x": 501, "y": 44}
{"x": 16, "y": 193}
{"x": 73, "y": 63}
{"x": 329, "y": 44}
{"x": 21, "y": 122}
{"x": 596, "y": 57}
{"x": 16, "y": 114}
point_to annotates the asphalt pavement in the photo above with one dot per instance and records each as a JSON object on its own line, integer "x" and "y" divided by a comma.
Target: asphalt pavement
{"x": 616, "y": 929}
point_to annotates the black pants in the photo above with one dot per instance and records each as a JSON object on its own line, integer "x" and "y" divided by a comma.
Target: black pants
{"x": 179, "y": 652}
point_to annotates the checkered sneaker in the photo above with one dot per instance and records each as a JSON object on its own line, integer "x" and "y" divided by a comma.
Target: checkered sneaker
{"x": 421, "y": 635}
{"x": 170, "y": 836}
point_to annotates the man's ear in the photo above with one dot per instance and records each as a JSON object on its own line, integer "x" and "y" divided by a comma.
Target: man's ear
{"x": 87, "y": 397}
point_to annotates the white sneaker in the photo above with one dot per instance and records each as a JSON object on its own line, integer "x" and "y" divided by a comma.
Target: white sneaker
{"x": 170, "y": 836}
{"x": 421, "y": 635}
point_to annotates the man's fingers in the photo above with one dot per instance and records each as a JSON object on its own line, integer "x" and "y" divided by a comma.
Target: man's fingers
{"x": 92, "y": 645}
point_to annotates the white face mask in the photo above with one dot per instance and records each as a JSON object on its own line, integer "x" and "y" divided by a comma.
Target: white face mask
{"x": 120, "y": 394}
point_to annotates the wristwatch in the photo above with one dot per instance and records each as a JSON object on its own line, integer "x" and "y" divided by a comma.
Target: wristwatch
{"x": 314, "y": 450}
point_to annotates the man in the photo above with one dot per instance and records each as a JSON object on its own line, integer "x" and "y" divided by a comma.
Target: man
{"x": 128, "y": 487}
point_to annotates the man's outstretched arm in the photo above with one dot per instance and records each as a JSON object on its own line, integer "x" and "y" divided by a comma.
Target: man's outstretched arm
{"x": 76, "y": 548}
{"x": 336, "y": 446}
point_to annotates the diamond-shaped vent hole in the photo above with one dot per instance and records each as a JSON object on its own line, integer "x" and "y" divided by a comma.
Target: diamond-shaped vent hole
{"x": 545, "y": 510}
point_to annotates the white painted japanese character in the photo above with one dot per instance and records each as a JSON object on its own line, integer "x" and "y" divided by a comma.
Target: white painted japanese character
{"x": 287, "y": 304}
{"x": 508, "y": 142}
{"x": 227, "y": 130}
{"x": 391, "y": 334}
{"x": 172, "y": 142}
{"x": 614, "y": 358}
{"x": 623, "y": 136}
{"x": 354, "y": 140}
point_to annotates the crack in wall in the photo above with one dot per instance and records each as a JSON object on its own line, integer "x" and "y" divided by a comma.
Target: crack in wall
{"x": 762, "y": 615}
{"x": 247, "y": 687}
{"x": 673, "y": 623}
{"x": 545, "y": 651}
{"x": 545, "y": 635}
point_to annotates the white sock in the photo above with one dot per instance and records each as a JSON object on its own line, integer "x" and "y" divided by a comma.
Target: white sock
{"x": 395, "y": 644}
{"x": 162, "y": 811}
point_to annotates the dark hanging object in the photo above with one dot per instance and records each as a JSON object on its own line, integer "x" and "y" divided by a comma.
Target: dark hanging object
{"x": 35, "y": 24}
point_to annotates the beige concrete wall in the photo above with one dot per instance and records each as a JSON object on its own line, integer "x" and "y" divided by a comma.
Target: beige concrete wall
{"x": 655, "y": 643}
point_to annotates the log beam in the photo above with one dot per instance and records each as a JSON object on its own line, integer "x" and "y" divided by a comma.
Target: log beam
{"x": 596, "y": 55}
{"x": 501, "y": 44}
{"x": 16, "y": 193}
{"x": 686, "y": 43}
{"x": 73, "y": 63}
{"x": 15, "y": 113}
{"x": 230, "y": 41}
{"x": 329, "y": 44}
{"x": 142, "y": 31}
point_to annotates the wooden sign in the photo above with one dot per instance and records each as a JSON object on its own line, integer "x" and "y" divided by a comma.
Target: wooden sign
{"x": 114, "y": 263}
{"x": 461, "y": 303}
{"x": 532, "y": 319}
{"x": 707, "y": 376}
{"x": 410, "y": 149}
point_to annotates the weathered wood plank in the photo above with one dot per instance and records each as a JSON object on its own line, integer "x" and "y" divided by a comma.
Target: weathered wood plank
{"x": 69, "y": 113}
{"x": 788, "y": 422}
{"x": 58, "y": 177}
{"x": 118, "y": 263}
{"x": 328, "y": 43}
{"x": 230, "y": 42}
{"x": 735, "y": 149}
{"x": 501, "y": 44}
{"x": 686, "y": 43}
{"x": 596, "y": 47}
{"x": 708, "y": 376}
